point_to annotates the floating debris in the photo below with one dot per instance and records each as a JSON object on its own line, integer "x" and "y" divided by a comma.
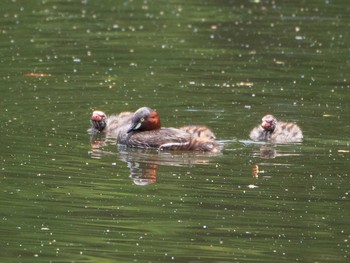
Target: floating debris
{"x": 255, "y": 170}
{"x": 279, "y": 62}
{"x": 245, "y": 84}
{"x": 300, "y": 38}
{"x": 32, "y": 74}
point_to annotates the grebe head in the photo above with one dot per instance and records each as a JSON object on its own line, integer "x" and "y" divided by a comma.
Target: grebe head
{"x": 145, "y": 119}
{"x": 269, "y": 123}
{"x": 98, "y": 120}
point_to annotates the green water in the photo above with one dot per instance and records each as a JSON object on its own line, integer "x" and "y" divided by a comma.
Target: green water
{"x": 220, "y": 63}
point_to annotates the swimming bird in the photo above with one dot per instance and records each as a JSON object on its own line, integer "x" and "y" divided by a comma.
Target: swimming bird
{"x": 142, "y": 129}
{"x": 279, "y": 132}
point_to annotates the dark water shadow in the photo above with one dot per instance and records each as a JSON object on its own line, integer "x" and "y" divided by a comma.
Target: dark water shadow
{"x": 267, "y": 150}
{"x": 267, "y": 154}
{"x": 144, "y": 163}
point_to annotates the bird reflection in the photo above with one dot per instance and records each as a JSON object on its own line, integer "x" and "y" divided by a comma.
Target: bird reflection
{"x": 255, "y": 171}
{"x": 268, "y": 152}
{"x": 144, "y": 164}
{"x": 271, "y": 151}
{"x": 143, "y": 173}
{"x": 97, "y": 141}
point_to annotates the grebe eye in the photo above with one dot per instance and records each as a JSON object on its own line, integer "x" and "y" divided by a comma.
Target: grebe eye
{"x": 142, "y": 119}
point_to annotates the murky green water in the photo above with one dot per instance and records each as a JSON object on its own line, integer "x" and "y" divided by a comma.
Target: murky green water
{"x": 220, "y": 63}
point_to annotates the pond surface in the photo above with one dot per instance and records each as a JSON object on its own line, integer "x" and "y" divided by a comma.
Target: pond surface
{"x": 224, "y": 64}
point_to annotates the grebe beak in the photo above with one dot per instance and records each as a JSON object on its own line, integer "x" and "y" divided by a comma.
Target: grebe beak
{"x": 265, "y": 124}
{"x": 134, "y": 127}
{"x": 97, "y": 116}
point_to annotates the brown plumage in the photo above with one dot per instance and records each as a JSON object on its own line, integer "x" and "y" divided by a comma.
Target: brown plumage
{"x": 142, "y": 130}
{"x": 200, "y": 131}
{"x": 110, "y": 125}
{"x": 144, "y": 119}
{"x": 279, "y": 132}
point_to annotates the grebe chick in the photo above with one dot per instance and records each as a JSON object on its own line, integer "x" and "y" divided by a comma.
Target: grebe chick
{"x": 98, "y": 120}
{"x": 110, "y": 125}
{"x": 279, "y": 132}
{"x": 200, "y": 131}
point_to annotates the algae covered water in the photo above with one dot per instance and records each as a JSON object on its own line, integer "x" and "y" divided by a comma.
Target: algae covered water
{"x": 224, "y": 64}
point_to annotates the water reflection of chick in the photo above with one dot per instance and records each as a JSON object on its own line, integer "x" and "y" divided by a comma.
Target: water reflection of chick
{"x": 255, "y": 171}
{"x": 267, "y": 152}
{"x": 105, "y": 129}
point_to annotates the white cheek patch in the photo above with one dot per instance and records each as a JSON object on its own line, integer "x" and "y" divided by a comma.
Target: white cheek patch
{"x": 137, "y": 126}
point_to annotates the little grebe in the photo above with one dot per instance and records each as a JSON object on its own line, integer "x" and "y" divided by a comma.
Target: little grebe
{"x": 144, "y": 119}
{"x": 147, "y": 119}
{"x": 279, "y": 132}
{"x": 142, "y": 129}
